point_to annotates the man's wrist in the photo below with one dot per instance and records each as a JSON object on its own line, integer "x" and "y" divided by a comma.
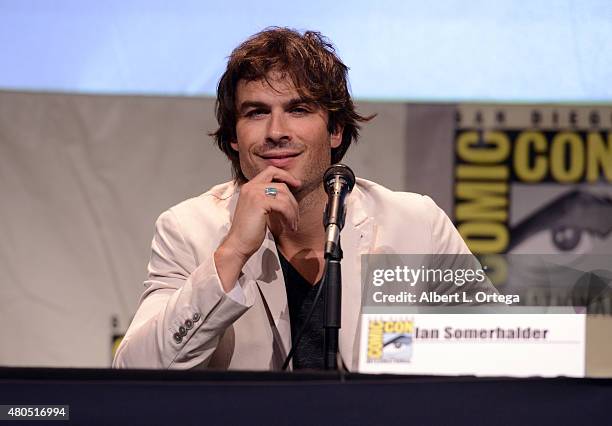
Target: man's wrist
{"x": 229, "y": 264}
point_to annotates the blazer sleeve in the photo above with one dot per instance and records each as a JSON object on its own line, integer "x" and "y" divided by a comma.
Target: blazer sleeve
{"x": 184, "y": 310}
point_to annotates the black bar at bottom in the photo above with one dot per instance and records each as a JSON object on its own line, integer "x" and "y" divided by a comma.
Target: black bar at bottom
{"x": 102, "y": 397}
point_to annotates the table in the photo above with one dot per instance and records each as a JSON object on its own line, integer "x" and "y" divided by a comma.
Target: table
{"x": 98, "y": 396}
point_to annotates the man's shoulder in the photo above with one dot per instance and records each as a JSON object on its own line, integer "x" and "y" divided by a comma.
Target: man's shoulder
{"x": 219, "y": 195}
{"x": 211, "y": 207}
{"x": 401, "y": 214}
{"x": 374, "y": 195}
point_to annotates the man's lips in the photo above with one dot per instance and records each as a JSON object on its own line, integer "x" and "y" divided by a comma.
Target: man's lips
{"x": 280, "y": 158}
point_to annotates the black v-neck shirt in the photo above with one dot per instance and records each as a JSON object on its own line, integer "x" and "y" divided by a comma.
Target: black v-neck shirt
{"x": 300, "y": 297}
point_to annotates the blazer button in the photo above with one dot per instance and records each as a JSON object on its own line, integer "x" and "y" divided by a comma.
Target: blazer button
{"x": 182, "y": 331}
{"x": 196, "y": 317}
{"x": 178, "y": 338}
{"x": 188, "y": 324}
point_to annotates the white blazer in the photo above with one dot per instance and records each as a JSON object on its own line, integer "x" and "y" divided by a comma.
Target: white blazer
{"x": 186, "y": 320}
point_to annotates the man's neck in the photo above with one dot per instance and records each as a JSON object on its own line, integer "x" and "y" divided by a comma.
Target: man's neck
{"x": 310, "y": 233}
{"x": 304, "y": 248}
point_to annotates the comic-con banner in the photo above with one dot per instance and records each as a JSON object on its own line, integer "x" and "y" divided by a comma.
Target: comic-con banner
{"x": 533, "y": 179}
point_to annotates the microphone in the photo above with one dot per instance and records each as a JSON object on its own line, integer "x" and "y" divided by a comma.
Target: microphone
{"x": 338, "y": 182}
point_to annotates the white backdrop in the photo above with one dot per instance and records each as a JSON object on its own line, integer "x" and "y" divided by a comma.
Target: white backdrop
{"x": 83, "y": 179}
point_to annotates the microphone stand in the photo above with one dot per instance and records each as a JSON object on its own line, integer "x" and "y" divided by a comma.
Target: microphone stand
{"x": 338, "y": 180}
{"x": 333, "y": 306}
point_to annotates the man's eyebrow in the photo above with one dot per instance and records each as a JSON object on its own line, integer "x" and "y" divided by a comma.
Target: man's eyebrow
{"x": 298, "y": 101}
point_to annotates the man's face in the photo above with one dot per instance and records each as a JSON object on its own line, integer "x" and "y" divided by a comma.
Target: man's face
{"x": 275, "y": 127}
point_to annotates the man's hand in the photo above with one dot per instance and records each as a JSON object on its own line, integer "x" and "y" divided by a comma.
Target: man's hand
{"x": 251, "y": 217}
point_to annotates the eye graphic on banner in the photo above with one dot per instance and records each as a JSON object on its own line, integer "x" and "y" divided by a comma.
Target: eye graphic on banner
{"x": 571, "y": 222}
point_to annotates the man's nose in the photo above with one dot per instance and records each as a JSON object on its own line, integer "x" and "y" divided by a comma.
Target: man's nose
{"x": 278, "y": 130}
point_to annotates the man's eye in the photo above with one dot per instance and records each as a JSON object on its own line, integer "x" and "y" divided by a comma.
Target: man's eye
{"x": 300, "y": 110}
{"x": 255, "y": 113}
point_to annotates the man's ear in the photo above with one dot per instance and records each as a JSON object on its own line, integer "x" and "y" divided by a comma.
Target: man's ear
{"x": 336, "y": 137}
{"x": 234, "y": 146}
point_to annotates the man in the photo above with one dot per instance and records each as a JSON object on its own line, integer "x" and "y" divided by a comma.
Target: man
{"x": 234, "y": 271}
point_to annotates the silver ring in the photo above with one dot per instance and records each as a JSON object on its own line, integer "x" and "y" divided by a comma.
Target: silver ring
{"x": 270, "y": 191}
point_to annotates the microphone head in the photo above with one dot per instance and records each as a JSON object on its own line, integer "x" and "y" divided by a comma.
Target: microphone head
{"x": 338, "y": 170}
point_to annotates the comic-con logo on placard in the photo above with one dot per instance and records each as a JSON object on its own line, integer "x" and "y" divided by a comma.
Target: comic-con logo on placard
{"x": 390, "y": 340}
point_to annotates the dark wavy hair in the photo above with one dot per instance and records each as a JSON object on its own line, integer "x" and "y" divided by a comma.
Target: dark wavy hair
{"x": 310, "y": 61}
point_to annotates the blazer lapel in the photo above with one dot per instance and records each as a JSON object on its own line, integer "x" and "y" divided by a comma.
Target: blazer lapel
{"x": 356, "y": 239}
{"x": 264, "y": 267}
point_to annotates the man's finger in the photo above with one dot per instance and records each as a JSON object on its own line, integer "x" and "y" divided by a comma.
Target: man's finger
{"x": 282, "y": 189}
{"x": 285, "y": 209}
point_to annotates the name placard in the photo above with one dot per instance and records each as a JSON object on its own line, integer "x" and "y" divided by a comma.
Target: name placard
{"x": 514, "y": 344}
